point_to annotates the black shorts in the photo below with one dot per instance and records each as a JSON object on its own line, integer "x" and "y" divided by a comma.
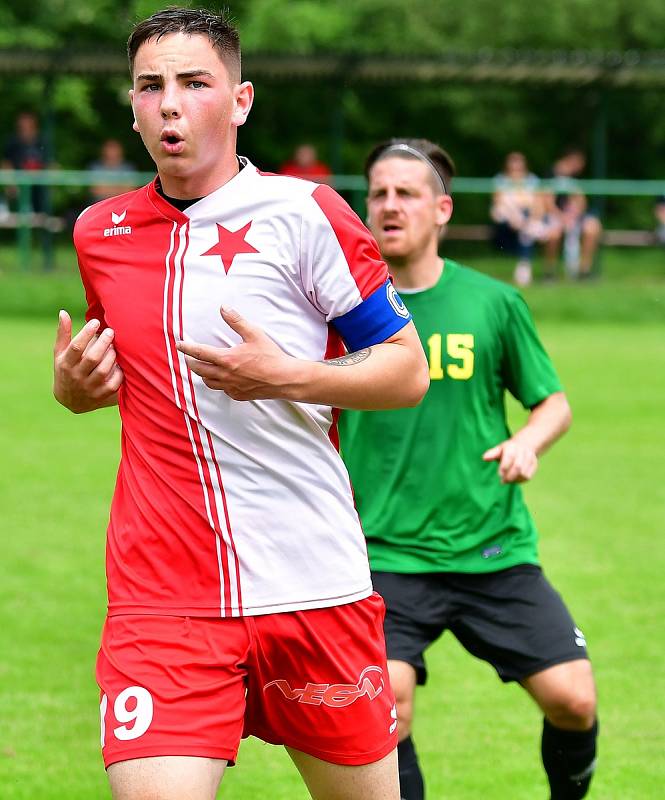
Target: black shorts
{"x": 513, "y": 619}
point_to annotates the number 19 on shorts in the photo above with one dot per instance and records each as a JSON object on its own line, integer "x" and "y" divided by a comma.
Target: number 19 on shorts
{"x": 132, "y": 705}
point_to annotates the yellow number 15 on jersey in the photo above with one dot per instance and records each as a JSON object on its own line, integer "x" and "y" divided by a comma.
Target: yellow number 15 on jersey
{"x": 458, "y": 346}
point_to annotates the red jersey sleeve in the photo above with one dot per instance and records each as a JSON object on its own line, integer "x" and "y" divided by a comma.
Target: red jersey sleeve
{"x": 95, "y": 309}
{"x": 360, "y": 250}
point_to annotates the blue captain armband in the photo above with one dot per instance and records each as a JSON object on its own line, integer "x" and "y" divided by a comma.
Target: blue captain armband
{"x": 374, "y": 320}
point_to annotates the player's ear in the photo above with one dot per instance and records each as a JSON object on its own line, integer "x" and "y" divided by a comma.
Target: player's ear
{"x": 444, "y": 208}
{"x": 243, "y": 97}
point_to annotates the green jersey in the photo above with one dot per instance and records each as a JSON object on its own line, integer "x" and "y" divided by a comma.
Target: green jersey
{"x": 426, "y": 499}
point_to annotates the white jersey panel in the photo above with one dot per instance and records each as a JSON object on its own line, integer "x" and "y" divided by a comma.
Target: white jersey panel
{"x": 282, "y": 498}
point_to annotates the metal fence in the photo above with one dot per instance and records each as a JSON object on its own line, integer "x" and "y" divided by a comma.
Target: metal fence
{"x": 25, "y": 220}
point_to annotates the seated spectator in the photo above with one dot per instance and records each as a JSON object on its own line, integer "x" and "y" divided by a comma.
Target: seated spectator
{"x": 659, "y": 211}
{"x": 111, "y": 159}
{"x": 26, "y": 150}
{"x": 520, "y": 214}
{"x": 305, "y": 164}
{"x": 578, "y": 230}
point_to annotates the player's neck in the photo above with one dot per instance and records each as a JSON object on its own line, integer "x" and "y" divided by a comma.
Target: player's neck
{"x": 416, "y": 274}
{"x": 196, "y": 185}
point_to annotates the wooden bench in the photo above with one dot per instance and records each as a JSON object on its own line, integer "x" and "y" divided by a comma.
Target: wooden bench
{"x": 620, "y": 238}
{"x": 47, "y": 222}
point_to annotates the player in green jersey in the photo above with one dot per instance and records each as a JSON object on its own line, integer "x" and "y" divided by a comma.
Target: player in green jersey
{"x": 451, "y": 542}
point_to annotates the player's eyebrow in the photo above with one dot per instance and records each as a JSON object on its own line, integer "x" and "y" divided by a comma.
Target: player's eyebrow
{"x": 190, "y": 73}
{"x": 194, "y": 73}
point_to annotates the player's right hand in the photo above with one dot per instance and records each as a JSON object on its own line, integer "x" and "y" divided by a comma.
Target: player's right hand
{"x": 517, "y": 460}
{"x": 86, "y": 375}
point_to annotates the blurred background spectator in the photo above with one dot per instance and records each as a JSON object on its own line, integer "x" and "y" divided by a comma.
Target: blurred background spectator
{"x": 520, "y": 214}
{"x": 579, "y": 230}
{"x": 305, "y": 163}
{"x": 26, "y": 150}
{"x": 111, "y": 159}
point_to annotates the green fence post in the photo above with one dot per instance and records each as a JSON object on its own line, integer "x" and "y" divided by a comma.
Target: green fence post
{"x": 49, "y": 138}
{"x": 599, "y": 160}
{"x": 23, "y": 230}
{"x": 337, "y": 130}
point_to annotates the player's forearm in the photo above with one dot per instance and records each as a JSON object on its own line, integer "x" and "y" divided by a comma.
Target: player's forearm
{"x": 393, "y": 374}
{"x": 547, "y": 422}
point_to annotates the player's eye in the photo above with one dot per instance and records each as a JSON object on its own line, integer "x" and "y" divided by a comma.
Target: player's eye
{"x": 150, "y": 87}
{"x": 196, "y": 84}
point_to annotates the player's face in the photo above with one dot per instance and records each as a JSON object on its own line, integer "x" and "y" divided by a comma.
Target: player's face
{"x": 187, "y": 108}
{"x": 405, "y": 213}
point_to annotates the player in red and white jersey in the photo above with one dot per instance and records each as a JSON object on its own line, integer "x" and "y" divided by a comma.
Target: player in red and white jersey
{"x": 226, "y": 507}
{"x": 230, "y": 314}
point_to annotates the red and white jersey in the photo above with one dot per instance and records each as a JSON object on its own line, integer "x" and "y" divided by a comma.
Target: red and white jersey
{"x": 227, "y": 507}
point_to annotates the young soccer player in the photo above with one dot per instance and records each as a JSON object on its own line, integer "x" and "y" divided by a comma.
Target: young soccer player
{"x": 220, "y": 300}
{"x": 451, "y": 543}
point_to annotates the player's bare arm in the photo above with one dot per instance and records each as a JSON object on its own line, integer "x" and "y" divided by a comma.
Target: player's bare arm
{"x": 86, "y": 375}
{"x": 518, "y": 456}
{"x": 349, "y": 358}
{"x": 391, "y": 374}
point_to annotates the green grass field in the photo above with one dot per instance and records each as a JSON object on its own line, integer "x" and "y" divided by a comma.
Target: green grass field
{"x": 599, "y": 501}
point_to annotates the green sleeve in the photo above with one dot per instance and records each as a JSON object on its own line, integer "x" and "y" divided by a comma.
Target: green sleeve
{"x": 528, "y": 372}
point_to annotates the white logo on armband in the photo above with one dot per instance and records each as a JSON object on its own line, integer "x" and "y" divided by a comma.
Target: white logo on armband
{"x": 396, "y": 301}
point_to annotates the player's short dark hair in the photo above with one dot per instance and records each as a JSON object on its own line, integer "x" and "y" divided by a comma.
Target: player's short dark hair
{"x": 436, "y": 155}
{"x": 217, "y": 27}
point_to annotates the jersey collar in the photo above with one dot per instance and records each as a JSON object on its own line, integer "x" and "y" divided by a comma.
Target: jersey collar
{"x": 220, "y": 198}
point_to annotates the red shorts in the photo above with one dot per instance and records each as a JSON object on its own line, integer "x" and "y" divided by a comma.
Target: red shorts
{"x": 312, "y": 680}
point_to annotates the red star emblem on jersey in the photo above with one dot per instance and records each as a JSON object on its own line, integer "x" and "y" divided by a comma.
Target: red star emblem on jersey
{"x": 230, "y": 244}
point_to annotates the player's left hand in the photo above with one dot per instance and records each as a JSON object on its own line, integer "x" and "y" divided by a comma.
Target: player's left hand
{"x": 518, "y": 461}
{"x": 254, "y": 369}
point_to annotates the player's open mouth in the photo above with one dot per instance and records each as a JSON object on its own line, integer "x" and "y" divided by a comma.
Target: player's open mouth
{"x": 172, "y": 142}
{"x": 391, "y": 228}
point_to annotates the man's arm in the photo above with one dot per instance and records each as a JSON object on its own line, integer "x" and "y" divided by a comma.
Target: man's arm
{"x": 518, "y": 456}
{"x": 85, "y": 373}
{"x": 392, "y": 374}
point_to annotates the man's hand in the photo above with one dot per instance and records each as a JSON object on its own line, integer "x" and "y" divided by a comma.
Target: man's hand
{"x": 518, "y": 461}
{"x": 254, "y": 369}
{"x": 85, "y": 373}
{"x": 518, "y": 456}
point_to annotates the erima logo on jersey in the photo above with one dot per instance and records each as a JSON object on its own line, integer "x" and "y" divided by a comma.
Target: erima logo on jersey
{"x": 396, "y": 301}
{"x": 580, "y": 639}
{"x": 334, "y": 695}
{"x": 118, "y": 229}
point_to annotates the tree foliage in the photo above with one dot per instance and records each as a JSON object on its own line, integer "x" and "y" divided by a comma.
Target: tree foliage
{"x": 426, "y": 28}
